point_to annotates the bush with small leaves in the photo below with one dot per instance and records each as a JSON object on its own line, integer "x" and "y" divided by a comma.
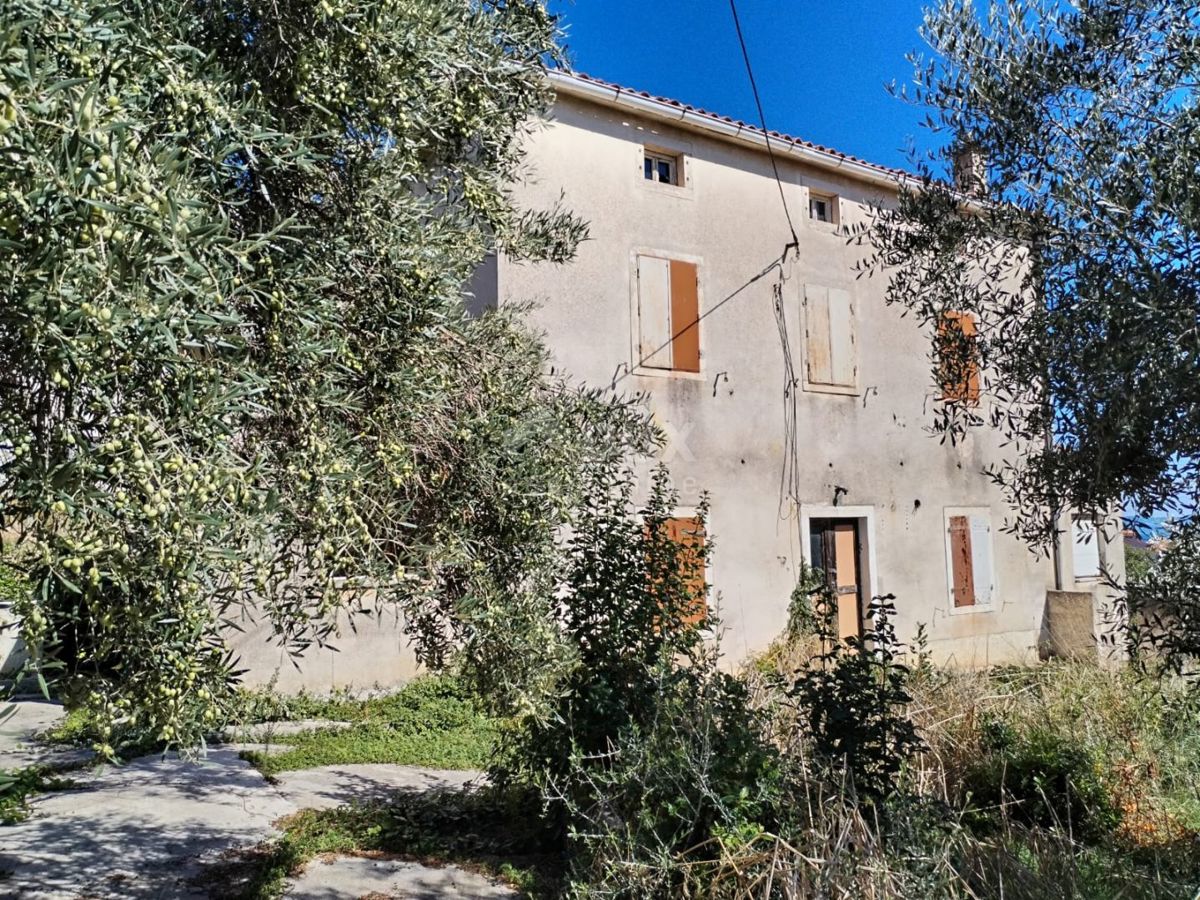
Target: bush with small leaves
{"x": 647, "y": 749}
{"x": 852, "y": 701}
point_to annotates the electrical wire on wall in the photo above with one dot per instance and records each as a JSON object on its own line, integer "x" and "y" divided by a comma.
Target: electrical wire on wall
{"x": 789, "y": 489}
{"x": 789, "y": 477}
{"x": 773, "y": 265}
{"x": 777, "y": 264}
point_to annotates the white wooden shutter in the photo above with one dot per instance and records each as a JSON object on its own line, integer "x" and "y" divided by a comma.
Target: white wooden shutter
{"x": 843, "y": 358}
{"x": 654, "y": 312}
{"x": 817, "y": 352}
{"x": 981, "y": 558}
{"x": 830, "y": 343}
{"x": 1086, "y": 545}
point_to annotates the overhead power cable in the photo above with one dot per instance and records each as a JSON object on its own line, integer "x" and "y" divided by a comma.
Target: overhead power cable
{"x": 762, "y": 119}
{"x": 775, "y": 265}
{"x": 772, "y": 266}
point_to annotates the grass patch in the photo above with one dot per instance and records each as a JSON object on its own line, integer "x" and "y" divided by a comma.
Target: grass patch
{"x": 19, "y": 786}
{"x": 79, "y": 728}
{"x": 1071, "y": 738}
{"x": 499, "y": 834}
{"x": 13, "y": 584}
{"x": 431, "y": 722}
{"x": 76, "y": 728}
{"x": 1065, "y": 779}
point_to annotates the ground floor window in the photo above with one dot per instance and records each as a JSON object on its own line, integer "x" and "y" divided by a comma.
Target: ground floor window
{"x": 687, "y": 533}
{"x": 970, "y": 568}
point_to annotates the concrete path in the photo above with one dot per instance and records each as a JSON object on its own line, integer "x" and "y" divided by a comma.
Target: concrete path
{"x": 356, "y": 877}
{"x": 337, "y": 785}
{"x": 136, "y": 831}
{"x": 20, "y": 723}
{"x": 145, "y": 830}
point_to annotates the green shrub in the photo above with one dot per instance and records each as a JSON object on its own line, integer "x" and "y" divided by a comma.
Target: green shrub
{"x": 802, "y": 613}
{"x": 647, "y": 817}
{"x": 649, "y": 752}
{"x": 852, "y": 703}
{"x": 1041, "y": 778}
{"x": 627, "y": 616}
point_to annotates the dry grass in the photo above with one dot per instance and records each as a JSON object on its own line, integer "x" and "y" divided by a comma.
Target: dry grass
{"x": 1141, "y": 741}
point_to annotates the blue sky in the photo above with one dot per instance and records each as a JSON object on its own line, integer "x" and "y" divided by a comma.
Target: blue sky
{"x": 821, "y": 67}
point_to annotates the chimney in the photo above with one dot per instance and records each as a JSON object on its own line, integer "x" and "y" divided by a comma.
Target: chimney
{"x": 970, "y": 168}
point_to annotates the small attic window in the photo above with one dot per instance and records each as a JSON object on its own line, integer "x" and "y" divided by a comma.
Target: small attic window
{"x": 660, "y": 167}
{"x": 822, "y": 208}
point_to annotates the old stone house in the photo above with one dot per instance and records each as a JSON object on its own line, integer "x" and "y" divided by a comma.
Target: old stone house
{"x": 787, "y": 389}
{"x": 786, "y": 386}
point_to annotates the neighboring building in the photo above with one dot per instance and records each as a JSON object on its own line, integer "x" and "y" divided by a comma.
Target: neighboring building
{"x": 792, "y": 393}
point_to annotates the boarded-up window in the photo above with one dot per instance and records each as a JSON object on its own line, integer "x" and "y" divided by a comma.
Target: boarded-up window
{"x": 668, "y": 314}
{"x": 969, "y": 544}
{"x": 687, "y": 532}
{"x": 958, "y": 358}
{"x": 830, "y": 342}
{"x": 1086, "y": 548}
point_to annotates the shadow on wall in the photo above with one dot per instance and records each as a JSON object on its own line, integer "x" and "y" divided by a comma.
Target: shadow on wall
{"x": 366, "y": 651}
{"x": 369, "y": 652}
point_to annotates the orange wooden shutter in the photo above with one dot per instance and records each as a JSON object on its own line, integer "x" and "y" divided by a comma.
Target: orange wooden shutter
{"x": 685, "y": 317}
{"x": 962, "y": 565}
{"x": 960, "y": 363}
{"x": 687, "y": 533}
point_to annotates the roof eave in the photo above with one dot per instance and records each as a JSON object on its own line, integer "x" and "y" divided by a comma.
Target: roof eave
{"x": 736, "y": 132}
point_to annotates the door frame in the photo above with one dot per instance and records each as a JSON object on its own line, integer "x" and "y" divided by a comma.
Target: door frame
{"x": 864, "y": 518}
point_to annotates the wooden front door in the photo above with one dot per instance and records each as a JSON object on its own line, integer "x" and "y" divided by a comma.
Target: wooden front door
{"x": 835, "y": 550}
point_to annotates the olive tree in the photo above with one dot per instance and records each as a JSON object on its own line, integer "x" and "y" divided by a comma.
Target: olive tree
{"x": 235, "y": 370}
{"x": 1078, "y": 254}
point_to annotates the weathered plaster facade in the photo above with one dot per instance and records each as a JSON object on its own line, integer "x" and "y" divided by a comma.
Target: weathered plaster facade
{"x": 863, "y": 453}
{"x": 771, "y": 467}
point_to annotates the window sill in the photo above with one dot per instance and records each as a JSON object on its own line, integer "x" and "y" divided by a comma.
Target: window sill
{"x": 975, "y": 610}
{"x": 679, "y": 192}
{"x": 836, "y": 389}
{"x": 667, "y": 373}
